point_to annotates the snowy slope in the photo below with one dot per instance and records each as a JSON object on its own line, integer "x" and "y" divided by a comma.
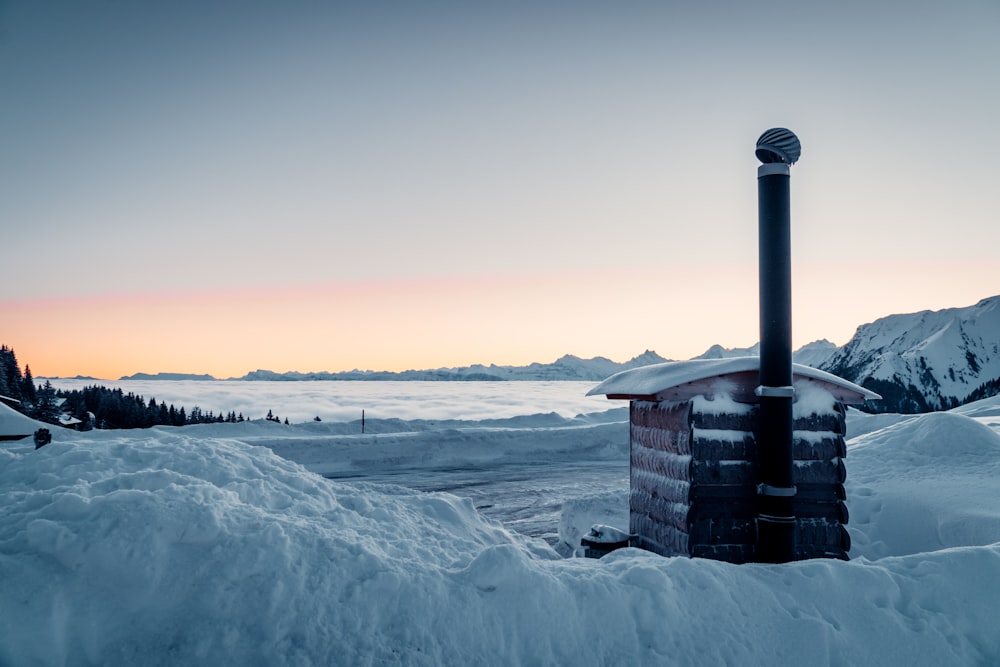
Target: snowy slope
{"x": 178, "y": 546}
{"x": 814, "y": 354}
{"x": 923, "y": 484}
{"x": 925, "y": 360}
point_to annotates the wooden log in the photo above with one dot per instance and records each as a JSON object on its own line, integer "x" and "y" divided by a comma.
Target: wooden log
{"x": 723, "y": 492}
{"x": 722, "y": 445}
{"x": 817, "y": 445}
{"x": 664, "y": 440}
{"x": 670, "y": 490}
{"x": 682, "y": 414}
{"x": 831, "y": 471}
{"x": 712, "y": 444}
{"x": 684, "y": 492}
{"x": 818, "y": 531}
{"x": 835, "y": 511}
{"x": 723, "y": 472}
{"x": 683, "y": 515}
{"x": 725, "y": 530}
{"x": 670, "y": 416}
{"x": 658, "y": 509}
{"x": 822, "y": 492}
{"x": 835, "y": 421}
{"x": 693, "y": 471}
{"x": 744, "y": 508}
{"x": 665, "y": 464}
{"x": 725, "y": 421}
{"x": 658, "y": 538}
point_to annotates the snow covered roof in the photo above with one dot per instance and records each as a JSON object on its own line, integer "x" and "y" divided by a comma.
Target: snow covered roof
{"x": 15, "y": 425}
{"x": 69, "y": 420}
{"x": 678, "y": 380}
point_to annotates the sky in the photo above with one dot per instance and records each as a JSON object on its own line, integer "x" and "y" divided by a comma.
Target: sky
{"x": 220, "y": 187}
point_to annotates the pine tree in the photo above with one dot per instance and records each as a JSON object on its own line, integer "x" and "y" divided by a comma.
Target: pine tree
{"x": 13, "y": 373}
{"x": 4, "y": 389}
{"x": 46, "y": 409}
{"x": 152, "y": 412}
{"x": 28, "y": 393}
{"x": 10, "y": 374}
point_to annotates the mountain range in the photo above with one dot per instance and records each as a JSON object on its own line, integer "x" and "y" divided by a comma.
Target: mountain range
{"x": 931, "y": 360}
{"x": 918, "y": 362}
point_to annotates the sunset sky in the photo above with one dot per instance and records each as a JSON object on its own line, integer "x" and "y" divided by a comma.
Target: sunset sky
{"x": 224, "y": 186}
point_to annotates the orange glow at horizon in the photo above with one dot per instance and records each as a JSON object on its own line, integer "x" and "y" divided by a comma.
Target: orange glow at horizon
{"x": 511, "y": 320}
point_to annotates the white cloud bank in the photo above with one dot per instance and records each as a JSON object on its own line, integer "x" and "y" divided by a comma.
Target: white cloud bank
{"x": 344, "y": 401}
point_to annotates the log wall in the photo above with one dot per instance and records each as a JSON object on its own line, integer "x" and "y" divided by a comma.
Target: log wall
{"x": 693, "y": 479}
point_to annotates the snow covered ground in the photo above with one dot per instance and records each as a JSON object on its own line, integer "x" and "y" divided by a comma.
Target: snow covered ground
{"x": 225, "y": 544}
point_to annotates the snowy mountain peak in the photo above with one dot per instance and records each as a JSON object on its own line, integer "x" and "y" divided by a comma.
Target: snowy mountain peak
{"x": 647, "y": 358}
{"x": 719, "y": 352}
{"x": 815, "y": 354}
{"x": 925, "y": 360}
{"x": 812, "y": 354}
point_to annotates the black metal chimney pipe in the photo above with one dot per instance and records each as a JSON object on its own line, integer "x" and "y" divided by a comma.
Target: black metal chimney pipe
{"x": 777, "y": 149}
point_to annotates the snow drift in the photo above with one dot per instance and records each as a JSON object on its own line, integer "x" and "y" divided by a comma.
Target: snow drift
{"x": 172, "y": 546}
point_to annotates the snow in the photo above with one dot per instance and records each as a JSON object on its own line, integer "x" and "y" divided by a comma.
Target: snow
{"x": 601, "y": 534}
{"x": 721, "y": 403}
{"x": 202, "y": 546}
{"x": 13, "y": 424}
{"x": 811, "y": 399}
{"x": 946, "y": 353}
{"x": 651, "y": 380}
{"x": 924, "y": 484}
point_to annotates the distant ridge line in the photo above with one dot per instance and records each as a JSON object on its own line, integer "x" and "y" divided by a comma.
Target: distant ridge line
{"x": 566, "y": 368}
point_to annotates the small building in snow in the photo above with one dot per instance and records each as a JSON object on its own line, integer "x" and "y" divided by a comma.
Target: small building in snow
{"x": 693, "y": 471}
{"x": 14, "y": 425}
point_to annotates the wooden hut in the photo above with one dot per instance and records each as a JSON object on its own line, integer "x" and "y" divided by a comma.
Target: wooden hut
{"x": 693, "y": 457}
{"x": 14, "y": 425}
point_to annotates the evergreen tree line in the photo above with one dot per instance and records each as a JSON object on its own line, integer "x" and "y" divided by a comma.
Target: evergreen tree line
{"x": 985, "y": 390}
{"x": 113, "y": 408}
{"x": 12, "y": 383}
{"x": 96, "y": 406}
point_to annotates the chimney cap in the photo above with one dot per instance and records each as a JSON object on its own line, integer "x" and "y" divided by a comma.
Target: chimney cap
{"x": 778, "y": 145}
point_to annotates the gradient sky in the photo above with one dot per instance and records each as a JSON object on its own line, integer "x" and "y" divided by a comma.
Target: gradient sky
{"x": 219, "y": 187}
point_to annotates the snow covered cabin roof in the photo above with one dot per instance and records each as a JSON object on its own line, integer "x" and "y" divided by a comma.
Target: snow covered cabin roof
{"x": 681, "y": 380}
{"x": 14, "y": 425}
